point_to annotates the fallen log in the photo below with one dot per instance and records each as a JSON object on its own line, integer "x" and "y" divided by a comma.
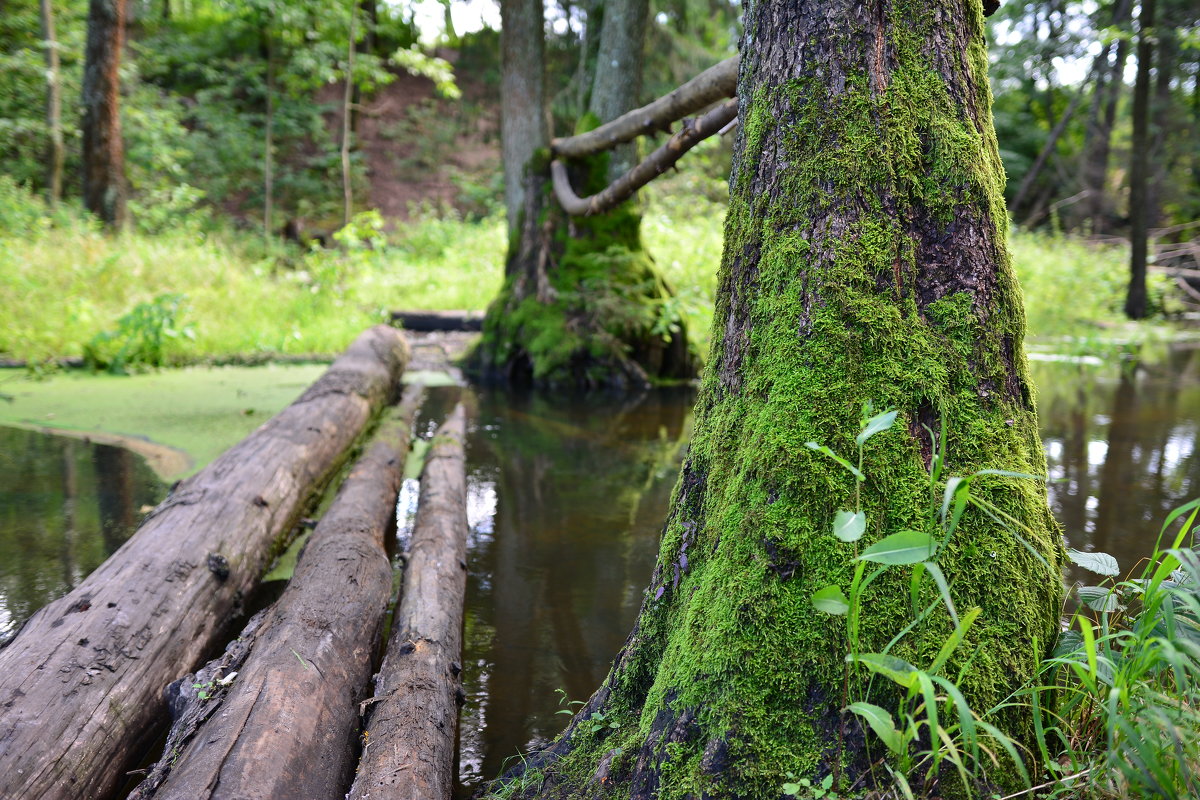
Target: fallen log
{"x": 282, "y": 720}
{"x": 408, "y": 750}
{"x": 426, "y": 321}
{"x": 80, "y": 685}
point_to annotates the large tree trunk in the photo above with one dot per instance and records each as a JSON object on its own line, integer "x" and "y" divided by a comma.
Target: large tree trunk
{"x": 104, "y": 185}
{"x": 865, "y": 260}
{"x": 1139, "y": 168}
{"x": 307, "y": 663}
{"x": 80, "y": 685}
{"x": 617, "y": 83}
{"x": 408, "y": 752}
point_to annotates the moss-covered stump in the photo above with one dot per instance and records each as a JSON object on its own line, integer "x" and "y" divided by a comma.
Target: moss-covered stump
{"x": 582, "y": 305}
{"x": 865, "y": 260}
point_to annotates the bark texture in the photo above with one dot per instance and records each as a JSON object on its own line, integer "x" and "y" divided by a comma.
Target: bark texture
{"x": 408, "y": 750}
{"x": 287, "y": 724}
{"x": 524, "y": 127}
{"x": 865, "y": 260}
{"x": 80, "y": 686}
{"x": 104, "y": 185}
{"x": 617, "y": 81}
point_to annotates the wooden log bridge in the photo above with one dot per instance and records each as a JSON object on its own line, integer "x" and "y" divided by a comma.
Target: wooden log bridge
{"x": 81, "y": 684}
{"x": 277, "y": 715}
{"x": 408, "y": 748}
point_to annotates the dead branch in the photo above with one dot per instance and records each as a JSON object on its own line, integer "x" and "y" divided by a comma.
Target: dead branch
{"x": 708, "y": 87}
{"x": 692, "y": 133}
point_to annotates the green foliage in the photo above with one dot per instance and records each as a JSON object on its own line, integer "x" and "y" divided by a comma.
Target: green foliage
{"x": 141, "y": 338}
{"x": 416, "y": 61}
{"x": 1117, "y": 701}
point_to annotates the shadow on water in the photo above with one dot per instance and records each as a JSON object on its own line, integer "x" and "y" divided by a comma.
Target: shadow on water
{"x": 65, "y": 506}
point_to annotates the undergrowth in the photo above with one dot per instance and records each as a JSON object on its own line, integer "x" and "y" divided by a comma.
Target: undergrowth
{"x": 63, "y": 282}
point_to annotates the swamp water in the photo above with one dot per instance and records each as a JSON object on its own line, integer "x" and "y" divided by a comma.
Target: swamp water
{"x": 566, "y": 502}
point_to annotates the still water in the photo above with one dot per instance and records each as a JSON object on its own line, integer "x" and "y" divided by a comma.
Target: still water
{"x": 566, "y": 502}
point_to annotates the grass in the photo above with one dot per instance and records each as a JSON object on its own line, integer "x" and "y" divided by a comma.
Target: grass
{"x": 63, "y": 283}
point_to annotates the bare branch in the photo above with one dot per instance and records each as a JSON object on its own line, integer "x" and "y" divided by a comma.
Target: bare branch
{"x": 691, "y": 134}
{"x": 708, "y": 87}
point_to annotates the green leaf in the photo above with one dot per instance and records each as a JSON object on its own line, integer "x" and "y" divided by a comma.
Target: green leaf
{"x": 791, "y": 789}
{"x": 1099, "y": 563}
{"x": 1098, "y": 598}
{"x": 831, "y": 600}
{"x": 820, "y": 448}
{"x": 876, "y": 424}
{"x": 849, "y": 526}
{"x": 895, "y": 669}
{"x": 905, "y": 547}
{"x": 881, "y": 722}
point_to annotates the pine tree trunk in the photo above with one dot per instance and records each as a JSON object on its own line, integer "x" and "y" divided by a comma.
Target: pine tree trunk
{"x": 56, "y": 152}
{"x": 1139, "y": 168}
{"x": 104, "y": 187}
{"x": 865, "y": 260}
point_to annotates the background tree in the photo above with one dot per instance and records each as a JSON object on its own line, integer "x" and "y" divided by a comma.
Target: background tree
{"x": 865, "y": 259}
{"x": 104, "y": 183}
{"x": 56, "y": 153}
{"x": 582, "y": 305}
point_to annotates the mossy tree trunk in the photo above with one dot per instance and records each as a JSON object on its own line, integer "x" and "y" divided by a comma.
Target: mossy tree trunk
{"x": 104, "y": 185}
{"x": 582, "y": 305}
{"x": 865, "y": 260}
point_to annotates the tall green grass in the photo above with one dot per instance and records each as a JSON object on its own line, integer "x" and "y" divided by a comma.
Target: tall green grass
{"x": 63, "y": 282}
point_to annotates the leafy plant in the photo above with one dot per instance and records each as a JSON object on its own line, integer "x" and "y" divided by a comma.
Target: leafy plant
{"x": 141, "y": 337}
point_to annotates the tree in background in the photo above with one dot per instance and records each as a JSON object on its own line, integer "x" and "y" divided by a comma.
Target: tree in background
{"x": 56, "y": 152}
{"x": 105, "y": 192}
{"x": 865, "y": 260}
{"x": 582, "y": 305}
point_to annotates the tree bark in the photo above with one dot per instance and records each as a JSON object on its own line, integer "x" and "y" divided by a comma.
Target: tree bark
{"x": 865, "y": 260}
{"x": 714, "y": 84}
{"x": 347, "y": 122}
{"x": 307, "y": 662}
{"x": 408, "y": 753}
{"x": 1139, "y": 167}
{"x": 268, "y": 138}
{"x": 104, "y": 185}
{"x": 56, "y": 152}
{"x": 617, "y": 82}
{"x": 524, "y": 127}
{"x": 80, "y": 683}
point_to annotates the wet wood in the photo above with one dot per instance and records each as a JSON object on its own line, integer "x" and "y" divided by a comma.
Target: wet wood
{"x": 424, "y": 321}
{"x": 81, "y": 684}
{"x": 286, "y": 724}
{"x": 409, "y": 742}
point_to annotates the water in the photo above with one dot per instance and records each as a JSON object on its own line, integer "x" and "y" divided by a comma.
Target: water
{"x": 566, "y": 503}
{"x": 65, "y": 506}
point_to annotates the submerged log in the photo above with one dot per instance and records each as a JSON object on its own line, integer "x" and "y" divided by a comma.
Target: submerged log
{"x": 408, "y": 753}
{"x": 80, "y": 685}
{"x": 283, "y": 721}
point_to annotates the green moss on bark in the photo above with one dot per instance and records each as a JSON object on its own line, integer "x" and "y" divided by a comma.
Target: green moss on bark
{"x": 589, "y": 310}
{"x": 864, "y": 261}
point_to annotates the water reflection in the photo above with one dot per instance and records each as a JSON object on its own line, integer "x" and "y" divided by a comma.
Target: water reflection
{"x": 577, "y": 493}
{"x": 1121, "y": 449}
{"x": 65, "y": 506}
